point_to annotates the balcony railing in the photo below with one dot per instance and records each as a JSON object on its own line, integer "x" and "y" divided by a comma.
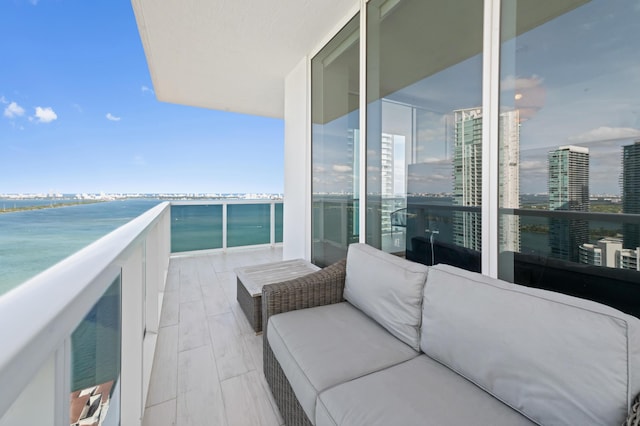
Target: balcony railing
{"x": 62, "y": 331}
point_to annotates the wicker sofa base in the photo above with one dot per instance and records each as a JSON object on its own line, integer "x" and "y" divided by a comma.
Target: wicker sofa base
{"x": 290, "y": 409}
{"x": 319, "y": 288}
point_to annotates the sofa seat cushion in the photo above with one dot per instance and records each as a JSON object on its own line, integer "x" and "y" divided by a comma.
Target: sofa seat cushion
{"x": 320, "y": 347}
{"x": 558, "y": 359}
{"x": 387, "y": 288}
{"x": 421, "y": 392}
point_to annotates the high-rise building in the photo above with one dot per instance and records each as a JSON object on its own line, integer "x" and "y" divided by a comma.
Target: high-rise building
{"x": 509, "y": 166}
{"x": 386, "y": 189}
{"x": 604, "y": 253}
{"x": 631, "y": 192}
{"x": 467, "y": 178}
{"x": 629, "y": 259}
{"x": 568, "y": 191}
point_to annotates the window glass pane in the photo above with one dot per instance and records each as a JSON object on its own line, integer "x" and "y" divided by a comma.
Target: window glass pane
{"x": 570, "y": 148}
{"x": 95, "y": 362}
{"x": 424, "y": 129}
{"x": 335, "y": 115}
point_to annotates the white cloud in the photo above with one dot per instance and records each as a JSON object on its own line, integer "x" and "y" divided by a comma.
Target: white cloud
{"x": 512, "y": 82}
{"x": 342, "y": 168}
{"x": 533, "y": 165}
{"x": 45, "y": 115}
{"x": 605, "y": 134}
{"x": 112, "y": 117}
{"x": 147, "y": 89}
{"x": 3, "y": 100}
{"x": 13, "y": 110}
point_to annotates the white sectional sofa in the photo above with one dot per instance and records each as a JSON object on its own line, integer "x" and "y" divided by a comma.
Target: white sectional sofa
{"x": 379, "y": 340}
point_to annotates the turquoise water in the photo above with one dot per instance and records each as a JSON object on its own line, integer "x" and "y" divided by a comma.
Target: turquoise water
{"x": 32, "y": 241}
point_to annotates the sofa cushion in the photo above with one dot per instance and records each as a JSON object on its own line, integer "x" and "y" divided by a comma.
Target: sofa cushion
{"x": 320, "y": 347}
{"x": 417, "y": 392}
{"x": 555, "y": 358}
{"x": 388, "y": 289}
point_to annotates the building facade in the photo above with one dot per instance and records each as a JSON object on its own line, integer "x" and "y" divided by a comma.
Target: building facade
{"x": 467, "y": 177}
{"x": 568, "y": 191}
{"x": 605, "y": 252}
{"x": 631, "y": 192}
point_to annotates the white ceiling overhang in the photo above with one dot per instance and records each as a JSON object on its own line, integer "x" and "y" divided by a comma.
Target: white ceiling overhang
{"x": 231, "y": 55}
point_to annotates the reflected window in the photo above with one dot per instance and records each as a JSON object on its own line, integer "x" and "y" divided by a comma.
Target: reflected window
{"x": 335, "y": 79}
{"x": 570, "y": 153}
{"x": 95, "y": 362}
{"x": 424, "y": 130}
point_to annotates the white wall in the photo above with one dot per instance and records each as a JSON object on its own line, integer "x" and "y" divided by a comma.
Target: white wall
{"x": 297, "y": 165}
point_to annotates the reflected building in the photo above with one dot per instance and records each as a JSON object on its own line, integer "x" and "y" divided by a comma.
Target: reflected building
{"x": 629, "y": 259}
{"x": 569, "y": 191}
{"x": 467, "y": 178}
{"x": 509, "y": 182}
{"x": 387, "y": 176}
{"x": 604, "y": 253}
{"x": 631, "y": 193}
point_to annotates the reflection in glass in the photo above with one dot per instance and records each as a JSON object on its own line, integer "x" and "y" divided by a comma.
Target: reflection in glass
{"x": 569, "y": 70}
{"x": 424, "y": 130}
{"x": 95, "y": 362}
{"x": 248, "y": 224}
{"x": 197, "y": 227}
{"x": 335, "y": 79}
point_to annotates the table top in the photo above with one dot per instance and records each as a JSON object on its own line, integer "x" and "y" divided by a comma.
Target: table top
{"x": 254, "y": 277}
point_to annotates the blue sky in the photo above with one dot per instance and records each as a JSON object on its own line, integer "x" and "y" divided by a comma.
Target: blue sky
{"x": 78, "y": 112}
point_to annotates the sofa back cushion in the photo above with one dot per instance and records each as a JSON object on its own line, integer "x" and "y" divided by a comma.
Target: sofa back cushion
{"x": 388, "y": 289}
{"x": 555, "y": 358}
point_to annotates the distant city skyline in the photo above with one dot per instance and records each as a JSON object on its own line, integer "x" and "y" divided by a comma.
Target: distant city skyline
{"x": 78, "y": 113}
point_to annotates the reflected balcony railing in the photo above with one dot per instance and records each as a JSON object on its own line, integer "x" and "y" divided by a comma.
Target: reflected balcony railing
{"x": 67, "y": 357}
{"x": 540, "y": 248}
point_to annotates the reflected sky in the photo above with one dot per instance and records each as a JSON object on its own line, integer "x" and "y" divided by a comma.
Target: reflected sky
{"x": 575, "y": 80}
{"x": 587, "y": 64}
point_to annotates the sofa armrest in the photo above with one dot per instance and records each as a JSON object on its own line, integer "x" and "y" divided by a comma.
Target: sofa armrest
{"x": 322, "y": 287}
{"x": 633, "y": 419}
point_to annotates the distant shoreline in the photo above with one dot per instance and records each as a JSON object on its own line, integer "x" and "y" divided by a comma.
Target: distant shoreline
{"x": 50, "y": 206}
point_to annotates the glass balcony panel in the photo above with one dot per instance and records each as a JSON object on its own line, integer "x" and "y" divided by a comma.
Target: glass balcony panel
{"x": 279, "y": 222}
{"x": 569, "y": 180}
{"x": 95, "y": 362}
{"x": 196, "y": 227}
{"x": 248, "y": 224}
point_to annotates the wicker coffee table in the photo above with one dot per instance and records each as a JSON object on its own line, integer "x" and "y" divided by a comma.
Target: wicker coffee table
{"x": 252, "y": 278}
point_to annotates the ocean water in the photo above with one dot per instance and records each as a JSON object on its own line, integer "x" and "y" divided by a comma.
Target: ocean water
{"x": 32, "y": 241}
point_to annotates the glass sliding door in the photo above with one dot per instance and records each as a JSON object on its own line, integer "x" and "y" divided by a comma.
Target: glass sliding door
{"x": 424, "y": 129}
{"x": 335, "y": 79}
{"x": 569, "y": 176}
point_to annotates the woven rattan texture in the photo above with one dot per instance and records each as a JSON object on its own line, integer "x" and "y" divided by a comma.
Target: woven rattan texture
{"x": 251, "y": 306}
{"x": 323, "y": 287}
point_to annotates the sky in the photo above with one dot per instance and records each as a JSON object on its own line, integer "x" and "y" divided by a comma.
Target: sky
{"x": 78, "y": 113}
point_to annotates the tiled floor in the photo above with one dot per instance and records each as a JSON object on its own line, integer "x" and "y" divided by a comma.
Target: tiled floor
{"x": 208, "y": 362}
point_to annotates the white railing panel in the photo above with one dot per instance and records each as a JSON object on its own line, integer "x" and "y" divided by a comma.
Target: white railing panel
{"x": 36, "y": 403}
{"x": 49, "y": 307}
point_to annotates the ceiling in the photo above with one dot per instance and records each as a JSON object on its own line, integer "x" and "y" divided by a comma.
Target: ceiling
{"x": 231, "y": 55}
